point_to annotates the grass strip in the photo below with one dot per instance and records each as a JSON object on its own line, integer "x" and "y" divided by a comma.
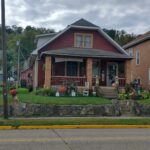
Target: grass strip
{"x": 74, "y": 121}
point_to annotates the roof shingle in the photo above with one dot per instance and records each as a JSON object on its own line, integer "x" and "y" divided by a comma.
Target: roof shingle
{"x": 83, "y": 22}
{"x": 139, "y": 39}
{"x": 83, "y": 52}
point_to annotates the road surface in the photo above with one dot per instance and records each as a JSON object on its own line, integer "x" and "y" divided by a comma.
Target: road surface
{"x": 75, "y": 139}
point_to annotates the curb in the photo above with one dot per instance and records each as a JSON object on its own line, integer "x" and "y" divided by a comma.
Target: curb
{"x": 74, "y": 127}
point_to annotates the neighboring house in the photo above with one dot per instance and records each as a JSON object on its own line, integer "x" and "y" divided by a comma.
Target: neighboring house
{"x": 80, "y": 53}
{"x": 139, "y": 49}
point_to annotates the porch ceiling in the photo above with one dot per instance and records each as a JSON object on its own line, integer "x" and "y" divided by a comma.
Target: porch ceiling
{"x": 84, "y": 52}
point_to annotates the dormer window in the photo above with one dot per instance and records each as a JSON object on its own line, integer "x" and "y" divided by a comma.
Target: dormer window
{"x": 83, "y": 40}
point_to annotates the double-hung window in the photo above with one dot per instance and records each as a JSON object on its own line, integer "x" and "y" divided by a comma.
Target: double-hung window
{"x": 83, "y": 40}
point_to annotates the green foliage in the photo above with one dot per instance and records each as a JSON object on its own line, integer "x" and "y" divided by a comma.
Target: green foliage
{"x": 145, "y": 94}
{"x": 128, "y": 88}
{"x": 30, "y": 88}
{"x": 121, "y": 37}
{"x": 124, "y": 96}
{"x": 23, "y": 83}
{"x": 26, "y": 36}
{"x": 46, "y": 92}
{"x": 22, "y": 91}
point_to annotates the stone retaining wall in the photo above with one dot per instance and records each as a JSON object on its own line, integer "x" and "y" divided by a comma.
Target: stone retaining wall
{"x": 117, "y": 108}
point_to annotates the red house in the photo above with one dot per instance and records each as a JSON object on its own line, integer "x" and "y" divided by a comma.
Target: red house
{"x": 80, "y": 53}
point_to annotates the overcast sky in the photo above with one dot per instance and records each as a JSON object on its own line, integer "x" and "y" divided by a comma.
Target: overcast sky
{"x": 130, "y": 15}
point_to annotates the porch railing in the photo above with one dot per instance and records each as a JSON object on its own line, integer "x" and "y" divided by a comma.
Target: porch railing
{"x": 63, "y": 80}
{"x": 122, "y": 82}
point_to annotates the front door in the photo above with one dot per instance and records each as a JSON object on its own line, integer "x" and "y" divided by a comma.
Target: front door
{"x": 112, "y": 72}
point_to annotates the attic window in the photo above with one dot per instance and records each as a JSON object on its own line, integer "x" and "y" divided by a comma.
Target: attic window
{"x": 83, "y": 40}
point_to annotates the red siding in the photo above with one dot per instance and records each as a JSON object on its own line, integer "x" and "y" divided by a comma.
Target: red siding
{"x": 41, "y": 73}
{"x": 25, "y": 75}
{"x": 67, "y": 40}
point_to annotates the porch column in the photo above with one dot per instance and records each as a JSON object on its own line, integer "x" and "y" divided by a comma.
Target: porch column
{"x": 89, "y": 73}
{"x": 48, "y": 67}
{"x": 128, "y": 71}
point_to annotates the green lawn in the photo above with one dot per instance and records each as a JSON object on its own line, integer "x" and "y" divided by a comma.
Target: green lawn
{"x": 1, "y": 99}
{"x": 36, "y": 99}
{"x": 76, "y": 121}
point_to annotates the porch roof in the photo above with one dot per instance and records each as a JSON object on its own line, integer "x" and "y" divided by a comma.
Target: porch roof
{"x": 85, "y": 52}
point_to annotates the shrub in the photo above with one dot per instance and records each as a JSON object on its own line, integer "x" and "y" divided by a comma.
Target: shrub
{"x": 46, "y": 92}
{"x": 145, "y": 94}
{"x": 23, "y": 83}
{"x": 128, "y": 88}
{"x": 22, "y": 91}
{"x": 30, "y": 88}
{"x": 124, "y": 96}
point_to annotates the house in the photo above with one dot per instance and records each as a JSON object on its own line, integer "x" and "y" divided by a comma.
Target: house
{"x": 81, "y": 53}
{"x": 139, "y": 49}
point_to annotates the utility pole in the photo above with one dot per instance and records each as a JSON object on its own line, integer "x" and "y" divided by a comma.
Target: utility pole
{"x": 18, "y": 66}
{"x": 5, "y": 101}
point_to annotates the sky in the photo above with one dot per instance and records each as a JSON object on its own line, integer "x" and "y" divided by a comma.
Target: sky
{"x": 132, "y": 16}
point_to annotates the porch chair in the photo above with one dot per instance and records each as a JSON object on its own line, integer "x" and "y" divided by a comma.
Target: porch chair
{"x": 86, "y": 89}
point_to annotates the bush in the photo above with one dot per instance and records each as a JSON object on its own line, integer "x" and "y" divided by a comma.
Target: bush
{"x": 46, "y": 92}
{"x": 145, "y": 94}
{"x": 128, "y": 88}
{"x": 124, "y": 96}
{"x": 30, "y": 88}
{"x": 23, "y": 83}
{"x": 22, "y": 91}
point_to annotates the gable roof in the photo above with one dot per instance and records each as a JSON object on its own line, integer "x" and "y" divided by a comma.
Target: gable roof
{"x": 139, "y": 39}
{"x": 43, "y": 38}
{"x": 83, "y": 24}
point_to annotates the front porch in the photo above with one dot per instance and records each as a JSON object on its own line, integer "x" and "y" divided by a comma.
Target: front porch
{"x": 78, "y": 71}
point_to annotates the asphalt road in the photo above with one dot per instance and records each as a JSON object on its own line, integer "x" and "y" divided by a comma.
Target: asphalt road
{"x": 75, "y": 139}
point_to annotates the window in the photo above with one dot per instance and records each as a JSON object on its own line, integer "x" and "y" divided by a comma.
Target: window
{"x": 79, "y": 40}
{"x": 72, "y": 68}
{"x": 130, "y": 52}
{"x": 95, "y": 68}
{"x": 137, "y": 57}
{"x": 83, "y": 40}
{"x": 59, "y": 69}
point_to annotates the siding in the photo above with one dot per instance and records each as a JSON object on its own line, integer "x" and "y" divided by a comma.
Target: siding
{"x": 141, "y": 71}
